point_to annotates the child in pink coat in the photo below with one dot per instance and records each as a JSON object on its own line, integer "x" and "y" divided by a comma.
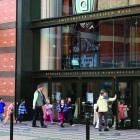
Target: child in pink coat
{"x": 122, "y": 112}
{"x": 47, "y": 109}
{"x": 10, "y": 108}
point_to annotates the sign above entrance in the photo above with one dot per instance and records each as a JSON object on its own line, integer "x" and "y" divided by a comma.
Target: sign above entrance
{"x": 106, "y": 14}
{"x": 83, "y": 6}
{"x": 88, "y": 73}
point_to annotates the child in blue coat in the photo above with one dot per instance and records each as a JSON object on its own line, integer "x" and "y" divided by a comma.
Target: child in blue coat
{"x": 21, "y": 111}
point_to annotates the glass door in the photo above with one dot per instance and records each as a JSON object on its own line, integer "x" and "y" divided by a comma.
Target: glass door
{"x": 56, "y": 95}
{"x": 89, "y": 94}
{"x": 63, "y": 90}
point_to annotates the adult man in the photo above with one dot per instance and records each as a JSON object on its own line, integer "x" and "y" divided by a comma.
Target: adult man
{"x": 38, "y": 102}
{"x": 2, "y": 105}
{"x": 102, "y": 105}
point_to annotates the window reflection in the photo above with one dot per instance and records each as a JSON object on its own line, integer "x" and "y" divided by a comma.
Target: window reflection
{"x": 100, "y": 44}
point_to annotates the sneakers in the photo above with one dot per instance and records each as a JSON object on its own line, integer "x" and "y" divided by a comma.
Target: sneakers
{"x": 99, "y": 129}
{"x": 106, "y": 129}
{"x": 72, "y": 125}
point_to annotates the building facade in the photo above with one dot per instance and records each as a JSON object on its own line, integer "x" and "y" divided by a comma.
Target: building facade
{"x": 76, "y": 48}
{"x": 7, "y": 49}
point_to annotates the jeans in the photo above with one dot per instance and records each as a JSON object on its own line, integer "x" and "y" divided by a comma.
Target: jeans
{"x": 20, "y": 117}
{"x": 1, "y": 117}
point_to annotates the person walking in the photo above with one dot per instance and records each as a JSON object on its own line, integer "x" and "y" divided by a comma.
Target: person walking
{"x": 38, "y": 102}
{"x": 102, "y": 105}
{"x": 2, "y": 105}
{"x": 47, "y": 109}
{"x": 10, "y": 109}
{"x": 69, "y": 114}
{"x": 21, "y": 111}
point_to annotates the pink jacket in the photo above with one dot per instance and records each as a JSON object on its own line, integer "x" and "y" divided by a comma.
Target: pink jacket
{"x": 48, "y": 109}
{"x": 10, "y": 107}
{"x": 121, "y": 111}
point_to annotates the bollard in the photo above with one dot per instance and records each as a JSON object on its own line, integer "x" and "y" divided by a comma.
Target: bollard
{"x": 87, "y": 127}
{"x": 11, "y": 125}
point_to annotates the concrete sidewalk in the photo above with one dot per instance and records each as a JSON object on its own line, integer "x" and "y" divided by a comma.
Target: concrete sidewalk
{"x": 55, "y": 132}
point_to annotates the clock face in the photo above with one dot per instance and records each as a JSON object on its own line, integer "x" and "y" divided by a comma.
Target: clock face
{"x": 83, "y": 45}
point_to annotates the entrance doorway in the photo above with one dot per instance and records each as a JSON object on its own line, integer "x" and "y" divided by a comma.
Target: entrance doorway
{"x": 84, "y": 93}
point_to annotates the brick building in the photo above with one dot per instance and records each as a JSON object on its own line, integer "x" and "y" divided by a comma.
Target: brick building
{"x": 75, "y": 50}
{"x": 7, "y": 49}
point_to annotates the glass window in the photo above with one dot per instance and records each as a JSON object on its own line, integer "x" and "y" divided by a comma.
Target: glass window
{"x": 135, "y": 45}
{"x": 100, "y": 44}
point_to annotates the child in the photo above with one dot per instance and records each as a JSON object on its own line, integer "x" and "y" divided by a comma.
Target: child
{"x": 122, "y": 112}
{"x": 47, "y": 109}
{"x": 10, "y": 108}
{"x": 2, "y": 105}
{"x": 69, "y": 114}
{"x": 21, "y": 111}
{"x": 62, "y": 108}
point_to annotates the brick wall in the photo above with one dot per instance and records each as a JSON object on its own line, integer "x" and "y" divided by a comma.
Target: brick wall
{"x": 107, "y": 4}
{"x": 7, "y": 49}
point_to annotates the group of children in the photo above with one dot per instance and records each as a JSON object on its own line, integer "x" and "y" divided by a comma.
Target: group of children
{"x": 63, "y": 108}
{"x": 122, "y": 114}
{"x": 11, "y": 109}
{"x": 64, "y": 111}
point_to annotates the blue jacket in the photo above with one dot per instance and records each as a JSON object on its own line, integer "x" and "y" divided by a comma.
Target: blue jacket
{"x": 65, "y": 109}
{"x": 22, "y": 109}
{"x": 2, "y": 105}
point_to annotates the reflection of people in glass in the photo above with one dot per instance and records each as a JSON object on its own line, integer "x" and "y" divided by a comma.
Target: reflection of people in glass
{"x": 123, "y": 94}
{"x": 58, "y": 96}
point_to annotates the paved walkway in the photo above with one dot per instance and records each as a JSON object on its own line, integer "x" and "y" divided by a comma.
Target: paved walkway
{"x": 55, "y": 132}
